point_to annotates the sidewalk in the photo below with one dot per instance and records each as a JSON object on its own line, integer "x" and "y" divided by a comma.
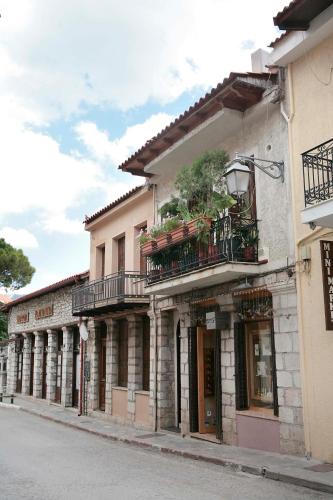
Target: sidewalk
{"x": 283, "y": 468}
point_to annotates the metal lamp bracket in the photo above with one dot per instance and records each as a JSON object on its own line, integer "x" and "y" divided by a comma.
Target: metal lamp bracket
{"x": 274, "y": 169}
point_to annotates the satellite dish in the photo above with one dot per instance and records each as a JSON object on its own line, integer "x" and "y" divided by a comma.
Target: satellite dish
{"x": 83, "y": 331}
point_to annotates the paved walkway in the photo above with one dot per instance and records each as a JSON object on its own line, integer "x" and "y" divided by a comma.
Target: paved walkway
{"x": 284, "y": 468}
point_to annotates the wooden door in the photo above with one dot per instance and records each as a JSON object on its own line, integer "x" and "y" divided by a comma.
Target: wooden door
{"x": 19, "y": 371}
{"x": 76, "y": 369}
{"x": 121, "y": 254}
{"x": 206, "y": 380}
{"x": 102, "y": 374}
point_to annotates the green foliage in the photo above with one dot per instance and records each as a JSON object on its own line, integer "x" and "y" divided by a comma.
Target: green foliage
{"x": 171, "y": 224}
{"x": 144, "y": 238}
{"x": 15, "y": 269}
{"x": 170, "y": 208}
{"x": 201, "y": 185}
{"x": 3, "y": 326}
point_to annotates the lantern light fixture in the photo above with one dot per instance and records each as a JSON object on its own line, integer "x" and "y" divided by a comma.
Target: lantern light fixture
{"x": 238, "y": 173}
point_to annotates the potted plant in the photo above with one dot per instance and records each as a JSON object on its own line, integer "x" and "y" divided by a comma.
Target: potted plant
{"x": 147, "y": 243}
{"x": 175, "y": 228}
{"x": 250, "y": 240}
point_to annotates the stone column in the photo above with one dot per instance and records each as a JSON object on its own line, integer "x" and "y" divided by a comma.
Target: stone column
{"x": 93, "y": 349}
{"x": 287, "y": 358}
{"x": 165, "y": 369}
{"x": 27, "y": 347}
{"x": 229, "y": 426}
{"x": 185, "y": 324}
{"x": 134, "y": 362}
{"x": 12, "y": 365}
{"x": 67, "y": 367}
{"x": 111, "y": 361}
{"x": 38, "y": 365}
{"x": 52, "y": 355}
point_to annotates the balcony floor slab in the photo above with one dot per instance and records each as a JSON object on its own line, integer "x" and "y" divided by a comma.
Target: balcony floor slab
{"x": 320, "y": 214}
{"x": 202, "y": 278}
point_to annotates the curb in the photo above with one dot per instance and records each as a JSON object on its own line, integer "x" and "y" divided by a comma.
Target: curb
{"x": 9, "y": 405}
{"x": 235, "y": 466}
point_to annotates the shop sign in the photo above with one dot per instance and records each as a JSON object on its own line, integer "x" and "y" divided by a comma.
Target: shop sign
{"x": 22, "y": 318}
{"x": 326, "y": 250}
{"x": 217, "y": 320}
{"x": 44, "y": 312}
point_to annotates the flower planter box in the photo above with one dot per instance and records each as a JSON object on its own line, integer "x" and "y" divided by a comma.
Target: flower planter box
{"x": 162, "y": 241}
{"x": 178, "y": 235}
{"x": 249, "y": 253}
{"x": 192, "y": 226}
{"x": 148, "y": 248}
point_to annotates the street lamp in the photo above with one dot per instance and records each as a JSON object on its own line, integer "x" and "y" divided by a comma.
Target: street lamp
{"x": 238, "y": 173}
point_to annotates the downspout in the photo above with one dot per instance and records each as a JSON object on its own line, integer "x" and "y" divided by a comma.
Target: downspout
{"x": 289, "y": 119}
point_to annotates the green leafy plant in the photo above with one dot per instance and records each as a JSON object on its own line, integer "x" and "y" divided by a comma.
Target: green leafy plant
{"x": 171, "y": 224}
{"x": 170, "y": 208}
{"x": 15, "y": 268}
{"x": 144, "y": 238}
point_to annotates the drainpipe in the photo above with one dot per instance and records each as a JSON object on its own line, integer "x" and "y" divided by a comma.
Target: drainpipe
{"x": 304, "y": 373}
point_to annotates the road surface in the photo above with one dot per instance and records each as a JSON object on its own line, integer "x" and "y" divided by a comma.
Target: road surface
{"x": 44, "y": 460}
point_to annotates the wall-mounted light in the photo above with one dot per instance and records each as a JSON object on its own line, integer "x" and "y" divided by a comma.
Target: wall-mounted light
{"x": 238, "y": 173}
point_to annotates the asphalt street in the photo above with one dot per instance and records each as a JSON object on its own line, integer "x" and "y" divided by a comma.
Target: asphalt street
{"x": 44, "y": 460}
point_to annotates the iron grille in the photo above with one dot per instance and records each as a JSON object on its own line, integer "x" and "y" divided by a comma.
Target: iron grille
{"x": 227, "y": 242}
{"x": 318, "y": 173}
{"x": 117, "y": 286}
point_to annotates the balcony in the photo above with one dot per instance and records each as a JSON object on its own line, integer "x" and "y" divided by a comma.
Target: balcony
{"x": 119, "y": 291}
{"x": 229, "y": 252}
{"x": 318, "y": 185}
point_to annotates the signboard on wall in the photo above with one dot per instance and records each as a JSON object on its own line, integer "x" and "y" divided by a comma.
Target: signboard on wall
{"x": 22, "y": 318}
{"x": 326, "y": 250}
{"x": 44, "y": 312}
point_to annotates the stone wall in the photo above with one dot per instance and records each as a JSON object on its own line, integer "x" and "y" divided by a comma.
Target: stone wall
{"x": 62, "y": 312}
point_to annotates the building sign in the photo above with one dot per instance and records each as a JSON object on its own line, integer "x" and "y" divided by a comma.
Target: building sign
{"x": 22, "y": 318}
{"x": 326, "y": 250}
{"x": 44, "y": 312}
{"x": 217, "y": 320}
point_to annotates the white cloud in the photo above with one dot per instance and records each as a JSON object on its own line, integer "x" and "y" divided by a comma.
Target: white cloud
{"x": 62, "y": 54}
{"x": 102, "y": 148}
{"x": 19, "y": 238}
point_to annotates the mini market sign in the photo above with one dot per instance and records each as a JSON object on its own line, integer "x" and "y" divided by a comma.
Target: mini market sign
{"x": 326, "y": 250}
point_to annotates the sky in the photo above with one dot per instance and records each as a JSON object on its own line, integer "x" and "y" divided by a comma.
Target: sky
{"x": 83, "y": 85}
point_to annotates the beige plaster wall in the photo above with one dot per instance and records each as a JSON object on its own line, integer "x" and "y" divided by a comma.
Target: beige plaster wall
{"x": 124, "y": 220}
{"x": 310, "y": 92}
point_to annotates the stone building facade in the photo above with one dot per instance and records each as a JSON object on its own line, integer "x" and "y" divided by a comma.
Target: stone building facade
{"x": 43, "y": 359}
{"x": 238, "y": 382}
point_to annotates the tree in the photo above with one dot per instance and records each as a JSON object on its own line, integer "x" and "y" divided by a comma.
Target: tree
{"x": 3, "y": 326}
{"x": 15, "y": 268}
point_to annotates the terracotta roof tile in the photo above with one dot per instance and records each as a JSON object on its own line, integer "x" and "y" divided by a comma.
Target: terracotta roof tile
{"x": 194, "y": 109}
{"x": 279, "y": 39}
{"x": 71, "y": 280}
{"x": 111, "y": 205}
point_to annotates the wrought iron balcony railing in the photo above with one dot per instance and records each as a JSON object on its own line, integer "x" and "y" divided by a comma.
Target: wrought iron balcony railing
{"x": 318, "y": 173}
{"x": 116, "y": 288}
{"x": 229, "y": 240}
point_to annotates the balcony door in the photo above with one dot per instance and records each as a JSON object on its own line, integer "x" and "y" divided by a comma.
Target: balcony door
{"x": 121, "y": 265}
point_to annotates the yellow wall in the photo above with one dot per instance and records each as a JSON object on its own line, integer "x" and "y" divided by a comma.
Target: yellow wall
{"x": 123, "y": 220}
{"x": 311, "y": 108}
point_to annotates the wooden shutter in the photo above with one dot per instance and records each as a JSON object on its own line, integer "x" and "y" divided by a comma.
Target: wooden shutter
{"x": 193, "y": 379}
{"x": 275, "y": 392}
{"x": 121, "y": 254}
{"x": 218, "y": 385}
{"x": 240, "y": 367}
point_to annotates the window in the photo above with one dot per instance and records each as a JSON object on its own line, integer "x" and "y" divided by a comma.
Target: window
{"x": 123, "y": 354}
{"x": 145, "y": 353}
{"x": 260, "y": 364}
{"x": 255, "y": 366}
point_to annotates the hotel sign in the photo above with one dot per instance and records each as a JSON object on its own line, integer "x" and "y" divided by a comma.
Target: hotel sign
{"x": 44, "y": 312}
{"x": 326, "y": 250}
{"x": 22, "y": 318}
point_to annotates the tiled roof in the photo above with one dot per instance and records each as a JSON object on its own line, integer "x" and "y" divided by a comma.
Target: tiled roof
{"x": 71, "y": 280}
{"x": 299, "y": 14}
{"x": 4, "y": 299}
{"x": 234, "y": 100}
{"x": 122, "y": 198}
{"x": 279, "y": 39}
